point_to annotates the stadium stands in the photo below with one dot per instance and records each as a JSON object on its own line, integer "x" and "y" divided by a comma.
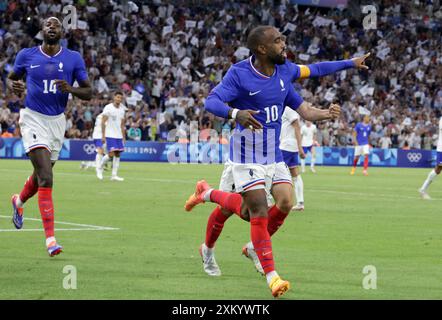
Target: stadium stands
{"x": 166, "y": 56}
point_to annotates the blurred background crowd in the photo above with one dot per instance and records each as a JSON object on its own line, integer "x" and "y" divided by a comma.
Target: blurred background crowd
{"x": 166, "y": 56}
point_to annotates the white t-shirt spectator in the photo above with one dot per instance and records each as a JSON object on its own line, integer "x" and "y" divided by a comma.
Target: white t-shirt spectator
{"x": 385, "y": 142}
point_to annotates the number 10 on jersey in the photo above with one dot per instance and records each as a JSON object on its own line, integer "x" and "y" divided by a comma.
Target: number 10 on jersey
{"x": 272, "y": 113}
{"x": 52, "y": 87}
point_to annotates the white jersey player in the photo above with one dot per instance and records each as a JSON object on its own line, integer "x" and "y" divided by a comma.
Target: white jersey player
{"x": 436, "y": 171}
{"x": 113, "y": 134}
{"x": 308, "y": 133}
{"x": 290, "y": 139}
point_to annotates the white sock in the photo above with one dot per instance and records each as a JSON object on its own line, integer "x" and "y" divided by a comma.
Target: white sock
{"x": 431, "y": 176}
{"x": 299, "y": 189}
{"x": 270, "y": 276}
{"x": 208, "y": 251}
{"x": 303, "y": 164}
{"x": 206, "y": 196}
{"x": 312, "y": 165}
{"x": 104, "y": 160}
{"x": 18, "y": 202}
{"x": 295, "y": 189}
{"x": 50, "y": 240}
{"x": 115, "y": 166}
{"x": 98, "y": 158}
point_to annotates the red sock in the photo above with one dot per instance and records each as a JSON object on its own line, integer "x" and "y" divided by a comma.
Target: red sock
{"x": 262, "y": 243}
{"x": 228, "y": 200}
{"x": 29, "y": 190}
{"x": 276, "y": 219}
{"x": 366, "y": 162}
{"x": 46, "y": 210}
{"x": 355, "y": 161}
{"x": 214, "y": 226}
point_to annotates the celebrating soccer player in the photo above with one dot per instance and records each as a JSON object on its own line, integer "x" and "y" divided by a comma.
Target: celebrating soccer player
{"x": 361, "y": 134}
{"x": 436, "y": 171}
{"x": 258, "y": 89}
{"x": 50, "y": 72}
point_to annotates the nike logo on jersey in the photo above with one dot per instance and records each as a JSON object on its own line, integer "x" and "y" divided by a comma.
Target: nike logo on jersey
{"x": 266, "y": 253}
{"x": 36, "y": 66}
{"x": 253, "y": 93}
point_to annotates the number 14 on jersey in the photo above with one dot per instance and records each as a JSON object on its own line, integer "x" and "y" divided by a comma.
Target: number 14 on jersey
{"x": 51, "y": 88}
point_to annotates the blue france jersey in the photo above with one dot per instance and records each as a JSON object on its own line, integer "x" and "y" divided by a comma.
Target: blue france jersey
{"x": 41, "y": 72}
{"x": 362, "y": 133}
{"x": 244, "y": 87}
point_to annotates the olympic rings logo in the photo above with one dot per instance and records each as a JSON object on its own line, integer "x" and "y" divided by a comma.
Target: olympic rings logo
{"x": 89, "y": 148}
{"x": 414, "y": 156}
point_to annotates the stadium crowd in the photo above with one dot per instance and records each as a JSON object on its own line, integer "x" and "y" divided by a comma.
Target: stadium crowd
{"x": 166, "y": 56}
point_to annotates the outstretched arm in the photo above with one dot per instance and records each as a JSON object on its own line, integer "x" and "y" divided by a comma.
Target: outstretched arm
{"x": 321, "y": 69}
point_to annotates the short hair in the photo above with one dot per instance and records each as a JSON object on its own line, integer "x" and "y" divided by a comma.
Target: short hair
{"x": 53, "y": 17}
{"x": 118, "y": 93}
{"x": 256, "y": 37}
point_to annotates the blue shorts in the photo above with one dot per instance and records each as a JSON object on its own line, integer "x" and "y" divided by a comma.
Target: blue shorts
{"x": 114, "y": 144}
{"x": 290, "y": 158}
{"x": 98, "y": 143}
{"x": 439, "y": 159}
{"x": 307, "y": 149}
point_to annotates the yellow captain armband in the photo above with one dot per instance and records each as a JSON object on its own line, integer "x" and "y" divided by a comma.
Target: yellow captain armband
{"x": 305, "y": 71}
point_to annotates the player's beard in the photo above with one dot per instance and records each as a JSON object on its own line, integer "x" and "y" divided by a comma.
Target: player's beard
{"x": 52, "y": 41}
{"x": 277, "y": 59}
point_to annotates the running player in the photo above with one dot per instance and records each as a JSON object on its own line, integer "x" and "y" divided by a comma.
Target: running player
{"x": 361, "y": 134}
{"x": 308, "y": 133}
{"x": 50, "y": 72}
{"x": 260, "y": 87}
{"x": 113, "y": 134}
{"x": 290, "y": 140}
{"x": 436, "y": 171}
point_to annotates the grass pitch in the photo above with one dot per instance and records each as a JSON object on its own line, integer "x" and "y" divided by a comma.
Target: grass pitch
{"x": 349, "y": 222}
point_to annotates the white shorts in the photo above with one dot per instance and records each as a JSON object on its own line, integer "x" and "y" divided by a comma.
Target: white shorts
{"x": 365, "y": 149}
{"x": 239, "y": 177}
{"x": 42, "y": 131}
{"x": 281, "y": 174}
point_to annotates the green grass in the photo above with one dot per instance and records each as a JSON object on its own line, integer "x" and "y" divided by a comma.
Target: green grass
{"x": 349, "y": 222}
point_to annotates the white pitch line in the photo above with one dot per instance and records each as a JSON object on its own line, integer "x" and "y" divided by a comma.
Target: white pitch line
{"x": 56, "y": 229}
{"x": 87, "y": 227}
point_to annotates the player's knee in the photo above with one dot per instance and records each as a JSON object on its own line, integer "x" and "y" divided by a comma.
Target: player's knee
{"x": 285, "y": 204}
{"x": 45, "y": 179}
{"x": 226, "y": 212}
{"x": 258, "y": 207}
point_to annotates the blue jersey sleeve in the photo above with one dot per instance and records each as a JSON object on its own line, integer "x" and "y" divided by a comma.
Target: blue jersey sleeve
{"x": 293, "y": 99}
{"x": 227, "y": 90}
{"x": 318, "y": 69}
{"x": 80, "y": 73}
{"x": 20, "y": 63}
{"x": 295, "y": 71}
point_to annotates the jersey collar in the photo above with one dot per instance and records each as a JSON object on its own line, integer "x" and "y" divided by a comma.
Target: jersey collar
{"x": 251, "y": 59}
{"x": 48, "y": 56}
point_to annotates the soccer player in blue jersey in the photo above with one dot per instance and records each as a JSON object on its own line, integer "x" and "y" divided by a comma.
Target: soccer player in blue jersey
{"x": 361, "y": 135}
{"x": 50, "y": 72}
{"x": 257, "y": 90}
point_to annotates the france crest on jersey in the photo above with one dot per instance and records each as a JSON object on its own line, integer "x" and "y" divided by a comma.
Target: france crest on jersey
{"x": 41, "y": 72}
{"x": 362, "y": 133}
{"x": 244, "y": 87}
